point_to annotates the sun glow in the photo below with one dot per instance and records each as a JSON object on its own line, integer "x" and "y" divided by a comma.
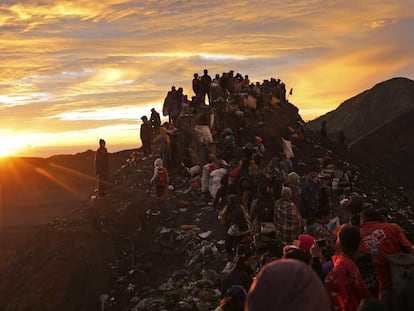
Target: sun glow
{"x": 9, "y": 145}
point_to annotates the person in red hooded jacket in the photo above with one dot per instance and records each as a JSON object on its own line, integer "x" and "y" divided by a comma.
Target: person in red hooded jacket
{"x": 344, "y": 283}
{"x": 381, "y": 239}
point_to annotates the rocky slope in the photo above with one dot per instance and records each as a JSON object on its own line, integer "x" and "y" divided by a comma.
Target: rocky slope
{"x": 119, "y": 254}
{"x": 368, "y": 111}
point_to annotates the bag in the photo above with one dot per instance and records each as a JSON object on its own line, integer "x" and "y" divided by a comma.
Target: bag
{"x": 265, "y": 209}
{"x": 267, "y": 227}
{"x": 161, "y": 180}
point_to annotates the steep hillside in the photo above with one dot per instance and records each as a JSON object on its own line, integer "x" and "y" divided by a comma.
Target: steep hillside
{"x": 369, "y": 110}
{"x": 390, "y": 149}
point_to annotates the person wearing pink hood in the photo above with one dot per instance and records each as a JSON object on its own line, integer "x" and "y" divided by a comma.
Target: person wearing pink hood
{"x": 160, "y": 181}
{"x": 287, "y": 285}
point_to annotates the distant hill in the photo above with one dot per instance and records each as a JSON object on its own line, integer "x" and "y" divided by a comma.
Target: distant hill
{"x": 369, "y": 110}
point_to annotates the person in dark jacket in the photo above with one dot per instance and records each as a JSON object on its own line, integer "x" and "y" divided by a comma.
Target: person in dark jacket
{"x": 146, "y": 136}
{"x": 155, "y": 121}
{"x": 310, "y": 197}
{"x": 102, "y": 167}
{"x": 242, "y": 273}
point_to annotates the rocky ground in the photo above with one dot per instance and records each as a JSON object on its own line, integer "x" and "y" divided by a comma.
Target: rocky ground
{"x": 119, "y": 254}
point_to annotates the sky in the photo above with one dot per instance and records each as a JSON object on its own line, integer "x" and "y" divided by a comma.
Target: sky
{"x": 76, "y": 71}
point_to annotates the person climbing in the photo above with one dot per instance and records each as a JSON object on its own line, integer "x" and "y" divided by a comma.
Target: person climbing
{"x": 263, "y": 209}
{"x": 160, "y": 181}
{"x": 164, "y": 145}
{"x": 102, "y": 168}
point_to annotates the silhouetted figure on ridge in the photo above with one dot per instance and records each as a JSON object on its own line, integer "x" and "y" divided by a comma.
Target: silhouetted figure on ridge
{"x": 146, "y": 136}
{"x": 155, "y": 121}
{"x": 102, "y": 167}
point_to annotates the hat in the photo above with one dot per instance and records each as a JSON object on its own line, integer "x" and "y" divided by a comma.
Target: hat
{"x": 293, "y": 178}
{"x": 158, "y": 162}
{"x": 305, "y": 242}
{"x": 287, "y": 285}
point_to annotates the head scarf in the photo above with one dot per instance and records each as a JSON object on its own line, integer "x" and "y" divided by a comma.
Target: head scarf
{"x": 287, "y": 285}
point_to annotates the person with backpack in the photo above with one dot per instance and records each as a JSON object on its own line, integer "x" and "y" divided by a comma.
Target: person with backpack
{"x": 163, "y": 141}
{"x": 262, "y": 209}
{"x": 160, "y": 182}
{"x": 381, "y": 239}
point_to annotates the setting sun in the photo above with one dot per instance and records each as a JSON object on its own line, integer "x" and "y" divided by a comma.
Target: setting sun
{"x": 10, "y": 144}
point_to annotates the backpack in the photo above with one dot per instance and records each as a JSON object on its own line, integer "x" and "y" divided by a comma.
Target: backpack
{"x": 161, "y": 180}
{"x": 265, "y": 209}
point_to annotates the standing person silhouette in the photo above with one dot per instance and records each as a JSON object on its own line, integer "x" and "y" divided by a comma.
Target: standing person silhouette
{"x": 146, "y": 136}
{"x": 155, "y": 121}
{"x": 102, "y": 167}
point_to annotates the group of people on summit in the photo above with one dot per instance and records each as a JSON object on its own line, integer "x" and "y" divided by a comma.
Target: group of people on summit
{"x": 283, "y": 249}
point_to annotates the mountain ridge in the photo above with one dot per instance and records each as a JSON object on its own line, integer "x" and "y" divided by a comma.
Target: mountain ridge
{"x": 372, "y": 108}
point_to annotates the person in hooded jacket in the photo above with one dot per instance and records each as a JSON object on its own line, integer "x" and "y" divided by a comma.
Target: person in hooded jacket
{"x": 163, "y": 141}
{"x": 160, "y": 181}
{"x": 287, "y": 285}
{"x": 287, "y": 218}
{"x": 344, "y": 282}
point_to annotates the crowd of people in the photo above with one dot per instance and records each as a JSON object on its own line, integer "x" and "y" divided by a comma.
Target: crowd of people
{"x": 294, "y": 240}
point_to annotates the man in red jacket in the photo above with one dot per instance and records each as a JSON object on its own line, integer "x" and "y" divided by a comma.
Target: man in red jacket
{"x": 381, "y": 239}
